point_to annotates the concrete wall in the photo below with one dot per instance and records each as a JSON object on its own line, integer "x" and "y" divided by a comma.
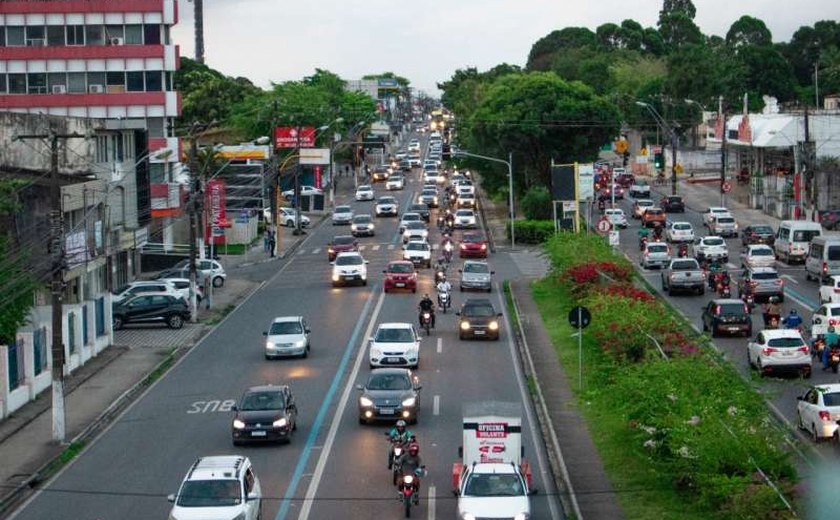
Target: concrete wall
{"x": 34, "y": 154}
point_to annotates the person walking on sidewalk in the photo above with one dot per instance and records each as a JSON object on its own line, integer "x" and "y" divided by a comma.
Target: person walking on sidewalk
{"x": 272, "y": 242}
{"x": 266, "y": 240}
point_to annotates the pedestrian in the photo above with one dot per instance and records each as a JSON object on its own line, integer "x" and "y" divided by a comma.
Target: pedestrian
{"x": 272, "y": 241}
{"x": 266, "y": 240}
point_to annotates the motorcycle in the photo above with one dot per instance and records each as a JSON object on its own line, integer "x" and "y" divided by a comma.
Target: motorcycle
{"x": 817, "y": 347}
{"x": 426, "y": 322}
{"x": 394, "y": 452}
{"x": 749, "y": 301}
{"x": 443, "y": 300}
{"x": 440, "y": 274}
{"x": 447, "y": 252}
{"x": 682, "y": 252}
{"x": 643, "y": 240}
{"x": 440, "y": 222}
{"x": 723, "y": 290}
{"x": 834, "y": 359}
{"x": 771, "y": 321}
{"x": 408, "y": 488}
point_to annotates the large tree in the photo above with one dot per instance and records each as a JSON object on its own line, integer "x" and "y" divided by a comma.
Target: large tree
{"x": 17, "y": 281}
{"x": 748, "y": 31}
{"x": 207, "y": 94}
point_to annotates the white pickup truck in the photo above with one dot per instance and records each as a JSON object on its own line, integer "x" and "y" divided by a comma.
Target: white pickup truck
{"x": 492, "y": 479}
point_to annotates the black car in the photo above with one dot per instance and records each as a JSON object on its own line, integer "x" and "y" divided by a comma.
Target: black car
{"x": 422, "y": 209}
{"x": 728, "y": 315}
{"x": 759, "y": 234}
{"x": 389, "y": 394}
{"x": 264, "y": 413}
{"x": 478, "y": 319}
{"x": 151, "y": 308}
{"x": 673, "y": 204}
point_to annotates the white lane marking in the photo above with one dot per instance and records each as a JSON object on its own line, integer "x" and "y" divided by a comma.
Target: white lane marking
{"x": 432, "y": 491}
{"x": 375, "y": 248}
{"x": 435, "y": 246}
{"x": 316, "y": 250}
{"x": 791, "y": 278}
{"x": 362, "y": 247}
{"x": 301, "y": 251}
{"x": 436, "y": 405}
{"x": 342, "y": 405}
{"x": 440, "y": 345}
{"x": 730, "y": 265}
{"x": 391, "y": 246}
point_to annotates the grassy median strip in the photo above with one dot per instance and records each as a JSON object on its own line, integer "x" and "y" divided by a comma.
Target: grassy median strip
{"x": 682, "y": 437}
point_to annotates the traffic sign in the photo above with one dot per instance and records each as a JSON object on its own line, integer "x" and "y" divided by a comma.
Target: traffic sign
{"x": 580, "y": 317}
{"x": 726, "y": 186}
{"x": 614, "y": 239}
{"x": 604, "y": 225}
{"x": 620, "y": 146}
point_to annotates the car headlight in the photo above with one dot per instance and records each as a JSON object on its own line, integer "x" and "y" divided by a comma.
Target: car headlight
{"x": 280, "y": 423}
{"x": 465, "y": 325}
{"x": 494, "y": 325}
{"x": 522, "y": 516}
{"x": 238, "y": 424}
{"x": 331, "y": 250}
{"x": 372, "y": 226}
{"x": 336, "y": 277}
{"x": 467, "y": 516}
{"x": 483, "y": 247}
{"x": 353, "y": 227}
{"x": 366, "y": 402}
{"x": 411, "y": 401}
{"x": 300, "y": 343}
{"x": 269, "y": 344}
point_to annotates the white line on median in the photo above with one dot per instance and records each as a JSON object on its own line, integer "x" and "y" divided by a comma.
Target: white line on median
{"x": 789, "y": 277}
{"x": 432, "y": 491}
{"x": 440, "y": 345}
{"x": 376, "y": 247}
{"x": 436, "y": 405}
{"x": 316, "y": 250}
{"x": 342, "y": 405}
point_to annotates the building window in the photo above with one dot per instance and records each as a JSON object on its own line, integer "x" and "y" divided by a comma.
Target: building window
{"x": 75, "y": 35}
{"x": 17, "y": 83}
{"x": 134, "y": 81}
{"x": 102, "y": 148}
{"x": 117, "y": 147}
{"x": 116, "y": 82}
{"x": 55, "y": 35}
{"x": 39, "y": 347}
{"x": 94, "y": 35}
{"x": 15, "y": 36}
{"x": 37, "y": 83}
{"x": 134, "y": 34}
{"x": 2, "y": 36}
{"x": 154, "y": 81}
{"x": 56, "y": 82}
{"x": 16, "y": 365}
{"x": 114, "y": 31}
{"x": 3, "y": 84}
{"x": 76, "y": 82}
{"x": 151, "y": 34}
{"x": 96, "y": 78}
{"x": 157, "y": 173}
{"x": 36, "y": 35}
{"x": 128, "y": 144}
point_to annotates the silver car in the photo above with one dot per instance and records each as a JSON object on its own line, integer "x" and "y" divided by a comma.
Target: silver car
{"x": 287, "y": 336}
{"x": 656, "y": 254}
{"x": 342, "y": 215}
{"x": 476, "y": 276}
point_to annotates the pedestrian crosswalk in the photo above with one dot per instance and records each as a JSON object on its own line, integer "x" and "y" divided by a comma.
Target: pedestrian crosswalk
{"x": 362, "y": 248}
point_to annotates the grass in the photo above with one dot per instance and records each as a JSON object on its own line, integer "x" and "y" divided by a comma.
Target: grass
{"x": 514, "y": 316}
{"x": 70, "y": 452}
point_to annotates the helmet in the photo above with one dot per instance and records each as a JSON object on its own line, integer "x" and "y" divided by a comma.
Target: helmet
{"x": 773, "y": 299}
{"x": 401, "y": 425}
{"x": 793, "y": 312}
{"x": 425, "y": 295}
{"x": 414, "y": 449}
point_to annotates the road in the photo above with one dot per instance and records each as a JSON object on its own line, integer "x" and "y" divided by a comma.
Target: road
{"x": 800, "y": 294}
{"x": 340, "y": 465}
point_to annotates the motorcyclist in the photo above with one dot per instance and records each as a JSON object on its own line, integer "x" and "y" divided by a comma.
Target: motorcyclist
{"x": 446, "y": 246}
{"x": 682, "y": 250}
{"x": 644, "y": 235}
{"x": 409, "y": 462}
{"x": 399, "y": 433}
{"x": 793, "y": 319}
{"x": 772, "y": 309}
{"x": 657, "y": 231}
{"x": 427, "y": 305}
{"x": 715, "y": 269}
{"x": 443, "y": 286}
{"x": 831, "y": 339}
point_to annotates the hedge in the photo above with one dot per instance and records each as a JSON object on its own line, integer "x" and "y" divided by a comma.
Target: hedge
{"x": 531, "y": 231}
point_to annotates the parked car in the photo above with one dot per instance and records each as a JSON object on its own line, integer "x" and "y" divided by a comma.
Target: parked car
{"x": 287, "y": 336}
{"x": 476, "y": 275}
{"x": 758, "y": 234}
{"x": 727, "y": 315}
{"x": 473, "y": 245}
{"x": 265, "y": 413}
{"x": 206, "y": 268}
{"x": 761, "y": 283}
{"x": 395, "y": 344}
{"x": 779, "y": 350}
{"x": 288, "y": 217}
{"x": 400, "y": 275}
{"x": 759, "y": 255}
{"x": 221, "y": 486}
{"x": 147, "y": 286}
{"x": 304, "y": 192}
{"x": 341, "y": 244}
{"x": 182, "y": 286}
{"x": 478, "y": 319}
{"x": 165, "y": 308}
{"x": 390, "y": 394}
{"x": 342, "y": 215}
{"x": 672, "y": 204}
{"x": 818, "y": 411}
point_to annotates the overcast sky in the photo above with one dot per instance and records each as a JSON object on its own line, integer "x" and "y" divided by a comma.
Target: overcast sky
{"x": 426, "y": 41}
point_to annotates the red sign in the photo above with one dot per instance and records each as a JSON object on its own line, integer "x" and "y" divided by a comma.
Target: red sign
{"x": 604, "y": 225}
{"x": 288, "y": 137}
{"x": 318, "y": 178}
{"x": 726, "y": 186}
{"x": 491, "y": 431}
{"x": 216, "y": 219}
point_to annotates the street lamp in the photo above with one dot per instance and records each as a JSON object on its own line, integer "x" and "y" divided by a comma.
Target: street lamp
{"x": 509, "y": 163}
{"x": 668, "y": 130}
{"x": 722, "y": 144}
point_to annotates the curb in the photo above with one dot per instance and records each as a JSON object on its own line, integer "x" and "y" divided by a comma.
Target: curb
{"x": 479, "y": 195}
{"x": 562, "y": 480}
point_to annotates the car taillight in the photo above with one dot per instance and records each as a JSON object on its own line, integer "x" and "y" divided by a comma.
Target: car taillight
{"x": 825, "y": 267}
{"x": 804, "y": 349}
{"x": 825, "y": 416}
{"x": 753, "y": 284}
{"x": 767, "y": 351}
{"x": 780, "y": 282}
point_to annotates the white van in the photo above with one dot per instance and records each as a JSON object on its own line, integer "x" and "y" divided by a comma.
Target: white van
{"x": 793, "y": 237}
{"x": 823, "y": 258}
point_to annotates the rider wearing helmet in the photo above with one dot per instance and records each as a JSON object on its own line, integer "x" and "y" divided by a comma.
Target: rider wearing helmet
{"x": 793, "y": 319}
{"x": 399, "y": 433}
{"x": 409, "y": 464}
{"x": 426, "y": 305}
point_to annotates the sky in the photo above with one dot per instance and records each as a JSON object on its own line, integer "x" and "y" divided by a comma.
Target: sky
{"x": 426, "y": 41}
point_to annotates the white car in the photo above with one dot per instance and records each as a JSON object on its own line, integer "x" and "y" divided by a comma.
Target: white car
{"x": 758, "y": 255}
{"x": 415, "y": 231}
{"x": 395, "y": 345}
{"x": 148, "y": 286}
{"x": 409, "y": 217}
{"x": 206, "y": 268}
{"x": 640, "y": 206}
{"x": 616, "y": 217}
{"x": 182, "y": 285}
{"x": 221, "y": 486}
{"x": 287, "y": 336}
{"x": 818, "y": 411}
{"x": 724, "y": 225}
{"x": 465, "y": 187}
{"x": 825, "y": 316}
{"x": 831, "y": 291}
{"x": 418, "y": 252}
{"x": 395, "y": 182}
{"x": 414, "y": 145}
{"x": 710, "y": 213}
{"x": 640, "y": 188}
{"x": 465, "y": 218}
{"x": 711, "y": 248}
{"x": 465, "y": 200}
{"x": 304, "y": 191}
{"x": 342, "y": 215}
{"x": 680, "y": 232}
{"x": 287, "y": 218}
{"x": 349, "y": 267}
{"x": 387, "y": 206}
{"x": 779, "y": 350}
{"x": 364, "y": 192}
{"x": 430, "y": 177}
{"x": 655, "y": 254}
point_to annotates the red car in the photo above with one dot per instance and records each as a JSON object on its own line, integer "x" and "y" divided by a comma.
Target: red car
{"x": 341, "y": 244}
{"x": 473, "y": 245}
{"x": 400, "y": 275}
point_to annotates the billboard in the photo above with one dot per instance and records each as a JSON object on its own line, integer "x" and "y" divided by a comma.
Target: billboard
{"x": 287, "y": 136}
{"x": 214, "y": 232}
{"x": 586, "y": 181}
{"x": 315, "y": 156}
{"x": 563, "y": 182}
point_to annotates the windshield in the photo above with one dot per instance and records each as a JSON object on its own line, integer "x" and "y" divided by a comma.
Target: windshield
{"x": 763, "y": 251}
{"x": 731, "y": 308}
{"x": 726, "y": 220}
{"x": 674, "y": 199}
{"x": 476, "y": 268}
{"x": 684, "y": 265}
{"x": 805, "y": 235}
{"x": 762, "y": 230}
{"x": 785, "y": 342}
{"x": 258, "y": 401}
{"x": 417, "y": 246}
{"x": 394, "y": 335}
{"x": 209, "y": 493}
{"x": 343, "y": 240}
{"x": 285, "y": 327}
{"x": 682, "y": 227}
{"x": 483, "y": 311}
{"x": 349, "y": 260}
{"x": 387, "y": 200}
{"x": 415, "y": 225}
{"x": 361, "y": 219}
{"x": 464, "y": 213}
{"x": 713, "y": 242}
{"x": 765, "y": 276}
{"x": 645, "y": 203}
{"x": 834, "y": 253}
{"x": 408, "y": 217}
{"x": 388, "y": 382}
{"x": 121, "y": 289}
{"x": 365, "y": 188}
{"x": 473, "y": 238}
{"x": 343, "y": 209}
{"x": 429, "y": 191}
{"x": 494, "y": 485}
{"x": 400, "y": 268}
{"x": 658, "y": 248}
{"x": 831, "y": 399}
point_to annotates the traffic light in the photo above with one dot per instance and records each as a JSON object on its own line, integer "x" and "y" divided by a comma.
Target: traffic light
{"x": 659, "y": 161}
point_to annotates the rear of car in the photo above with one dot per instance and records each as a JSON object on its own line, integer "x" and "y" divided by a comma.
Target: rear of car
{"x": 616, "y": 217}
{"x": 476, "y": 276}
{"x": 762, "y": 283}
{"x": 823, "y": 258}
{"x": 727, "y": 316}
{"x": 680, "y": 232}
{"x": 760, "y": 234}
{"x": 758, "y": 256}
{"x": 724, "y": 225}
{"x": 656, "y": 254}
{"x": 673, "y": 204}
{"x": 780, "y": 350}
{"x": 640, "y": 206}
{"x": 653, "y": 215}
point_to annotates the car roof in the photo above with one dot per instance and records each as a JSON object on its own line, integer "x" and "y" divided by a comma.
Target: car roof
{"x": 713, "y": 236}
{"x": 349, "y": 253}
{"x": 217, "y": 467}
{"x": 407, "y": 213}
{"x": 150, "y": 282}
{"x": 727, "y": 301}
{"x": 404, "y": 262}
{"x": 390, "y": 370}
{"x": 395, "y": 325}
{"x": 763, "y": 270}
{"x": 832, "y": 305}
{"x": 152, "y": 293}
{"x": 478, "y": 301}
{"x": 781, "y": 333}
{"x": 474, "y": 262}
{"x": 759, "y": 246}
{"x": 717, "y": 209}
{"x": 286, "y": 319}
{"x": 266, "y": 388}
{"x": 639, "y": 202}
{"x": 365, "y": 187}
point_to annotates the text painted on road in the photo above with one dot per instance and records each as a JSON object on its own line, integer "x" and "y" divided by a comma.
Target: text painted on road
{"x": 213, "y": 405}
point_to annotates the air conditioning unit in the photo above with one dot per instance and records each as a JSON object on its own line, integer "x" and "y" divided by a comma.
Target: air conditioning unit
{"x": 117, "y": 41}
{"x": 59, "y": 89}
{"x": 96, "y": 89}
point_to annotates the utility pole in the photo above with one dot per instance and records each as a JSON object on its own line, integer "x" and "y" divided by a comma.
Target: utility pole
{"x": 297, "y": 231}
{"x": 199, "y": 31}
{"x": 194, "y": 210}
{"x": 722, "y": 152}
{"x": 56, "y": 249}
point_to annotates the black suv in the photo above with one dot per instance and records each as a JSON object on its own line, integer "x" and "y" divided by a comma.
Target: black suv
{"x": 264, "y": 413}
{"x": 758, "y": 234}
{"x": 422, "y": 209}
{"x": 673, "y": 204}
{"x": 151, "y": 308}
{"x": 478, "y": 319}
{"x": 727, "y": 315}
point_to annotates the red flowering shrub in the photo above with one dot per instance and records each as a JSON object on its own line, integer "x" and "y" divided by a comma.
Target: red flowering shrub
{"x": 628, "y": 291}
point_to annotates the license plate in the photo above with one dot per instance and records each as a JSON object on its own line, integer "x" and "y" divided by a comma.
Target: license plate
{"x": 349, "y": 277}
{"x": 786, "y": 353}
{"x": 386, "y": 411}
{"x": 392, "y": 360}
{"x": 400, "y": 284}
{"x": 733, "y": 329}
{"x": 478, "y": 332}
{"x": 257, "y": 434}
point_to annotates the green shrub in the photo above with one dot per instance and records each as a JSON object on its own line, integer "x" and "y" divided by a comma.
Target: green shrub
{"x": 536, "y": 203}
{"x": 532, "y": 231}
{"x": 565, "y": 249}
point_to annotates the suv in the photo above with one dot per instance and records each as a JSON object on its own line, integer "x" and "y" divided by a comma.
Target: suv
{"x": 421, "y": 209}
{"x": 362, "y": 225}
{"x": 393, "y": 345}
{"x": 779, "y": 349}
{"x": 655, "y": 254}
{"x": 151, "y": 308}
{"x": 418, "y": 252}
{"x": 727, "y": 315}
{"x": 724, "y": 225}
{"x": 342, "y": 215}
{"x": 141, "y": 287}
{"x": 287, "y": 336}
{"x": 264, "y": 413}
{"x": 222, "y": 486}
{"x": 672, "y": 204}
{"x": 761, "y": 282}
{"x": 478, "y": 319}
{"x": 349, "y": 267}
{"x": 710, "y": 248}
{"x": 758, "y": 234}
{"x": 476, "y": 275}
{"x": 653, "y": 215}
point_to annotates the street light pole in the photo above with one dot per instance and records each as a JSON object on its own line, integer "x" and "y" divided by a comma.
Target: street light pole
{"x": 668, "y": 130}
{"x": 509, "y": 164}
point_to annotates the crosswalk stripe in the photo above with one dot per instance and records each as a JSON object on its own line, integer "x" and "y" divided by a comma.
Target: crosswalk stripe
{"x": 362, "y": 248}
{"x": 375, "y": 248}
{"x": 316, "y": 250}
{"x": 391, "y": 246}
{"x": 301, "y": 251}
{"x": 435, "y": 246}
